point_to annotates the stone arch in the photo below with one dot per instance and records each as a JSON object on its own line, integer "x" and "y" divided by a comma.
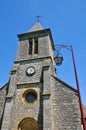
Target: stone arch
{"x": 28, "y": 124}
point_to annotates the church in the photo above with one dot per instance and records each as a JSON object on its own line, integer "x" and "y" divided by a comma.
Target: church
{"x": 34, "y": 98}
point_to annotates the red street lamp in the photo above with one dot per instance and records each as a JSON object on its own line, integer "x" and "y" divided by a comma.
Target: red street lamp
{"x": 58, "y": 60}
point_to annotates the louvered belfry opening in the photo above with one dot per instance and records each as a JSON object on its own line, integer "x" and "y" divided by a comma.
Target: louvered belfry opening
{"x": 30, "y": 46}
{"x": 33, "y": 46}
{"x": 36, "y": 46}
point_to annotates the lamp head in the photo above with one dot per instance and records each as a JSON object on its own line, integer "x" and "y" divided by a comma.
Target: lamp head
{"x": 58, "y": 59}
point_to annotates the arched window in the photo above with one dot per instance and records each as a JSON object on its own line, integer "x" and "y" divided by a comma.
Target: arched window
{"x": 28, "y": 124}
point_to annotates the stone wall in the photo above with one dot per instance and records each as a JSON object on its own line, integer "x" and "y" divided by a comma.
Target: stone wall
{"x": 3, "y": 92}
{"x": 65, "y": 107}
{"x": 22, "y": 109}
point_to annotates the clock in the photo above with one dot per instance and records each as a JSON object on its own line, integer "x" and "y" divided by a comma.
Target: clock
{"x": 30, "y": 70}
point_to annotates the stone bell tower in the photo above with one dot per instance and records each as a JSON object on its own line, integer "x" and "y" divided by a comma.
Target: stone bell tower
{"x": 35, "y": 99}
{"x": 28, "y": 99}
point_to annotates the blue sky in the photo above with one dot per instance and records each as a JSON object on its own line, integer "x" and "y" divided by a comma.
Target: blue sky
{"x": 67, "y": 21}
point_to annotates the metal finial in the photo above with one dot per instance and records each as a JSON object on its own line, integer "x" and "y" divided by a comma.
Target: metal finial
{"x": 38, "y": 18}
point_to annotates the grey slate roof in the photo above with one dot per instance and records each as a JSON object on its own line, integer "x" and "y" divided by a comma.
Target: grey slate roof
{"x": 36, "y": 27}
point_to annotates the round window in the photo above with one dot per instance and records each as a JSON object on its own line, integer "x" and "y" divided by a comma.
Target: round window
{"x": 30, "y": 97}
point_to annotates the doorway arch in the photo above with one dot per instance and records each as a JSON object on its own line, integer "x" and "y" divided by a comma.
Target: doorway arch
{"x": 28, "y": 124}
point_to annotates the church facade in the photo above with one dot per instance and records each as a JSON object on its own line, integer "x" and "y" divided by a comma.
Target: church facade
{"x": 34, "y": 98}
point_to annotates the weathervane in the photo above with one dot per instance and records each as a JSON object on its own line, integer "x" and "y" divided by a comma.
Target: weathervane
{"x": 38, "y": 18}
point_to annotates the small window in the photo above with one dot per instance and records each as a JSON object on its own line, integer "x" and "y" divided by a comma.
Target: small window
{"x": 30, "y": 46}
{"x": 36, "y": 46}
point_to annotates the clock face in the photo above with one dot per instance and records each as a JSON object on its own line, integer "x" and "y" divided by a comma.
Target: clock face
{"x": 31, "y": 70}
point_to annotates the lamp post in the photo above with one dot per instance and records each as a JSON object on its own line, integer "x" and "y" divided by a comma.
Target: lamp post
{"x": 58, "y": 60}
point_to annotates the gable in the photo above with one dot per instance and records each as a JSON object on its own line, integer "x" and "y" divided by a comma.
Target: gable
{"x": 63, "y": 84}
{"x": 65, "y": 104}
{"x": 3, "y": 92}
